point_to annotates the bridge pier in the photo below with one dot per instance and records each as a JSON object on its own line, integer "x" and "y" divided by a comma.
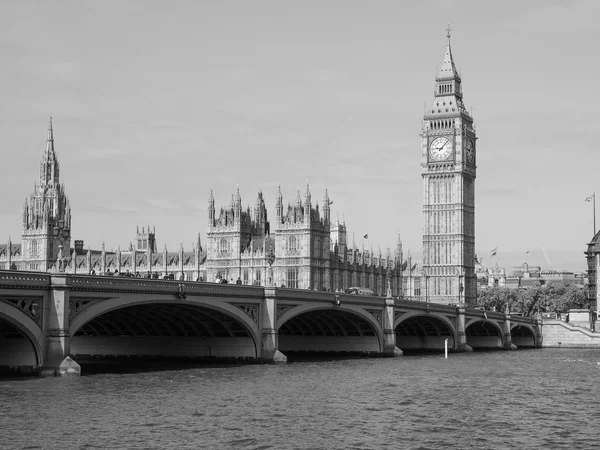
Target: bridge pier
{"x": 57, "y": 340}
{"x": 461, "y": 334}
{"x": 508, "y": 345}
{"x": 539, "y": 338}
{"x": 389, "y": 332}
{"x": 269, "y": 343}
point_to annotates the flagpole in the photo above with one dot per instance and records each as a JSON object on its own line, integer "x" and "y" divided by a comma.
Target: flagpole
{"x": 594, "y": 195}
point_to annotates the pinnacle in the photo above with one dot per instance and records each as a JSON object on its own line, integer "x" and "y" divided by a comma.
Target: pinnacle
{"x": 448, "y": 69}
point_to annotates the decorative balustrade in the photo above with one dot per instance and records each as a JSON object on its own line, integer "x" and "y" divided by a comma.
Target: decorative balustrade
{"x": 87, "y": 283}
{"x": 23, "y": 280}
{"x": 145, "y": 285}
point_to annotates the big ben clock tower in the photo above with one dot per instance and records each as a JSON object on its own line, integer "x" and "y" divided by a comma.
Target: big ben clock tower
{"x": 448, "y": 163}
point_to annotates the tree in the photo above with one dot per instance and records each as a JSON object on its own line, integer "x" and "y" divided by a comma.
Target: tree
{"x": 496, "y": 297}
{"x": 552, "y": 297}
{"x": 560, "y": 297}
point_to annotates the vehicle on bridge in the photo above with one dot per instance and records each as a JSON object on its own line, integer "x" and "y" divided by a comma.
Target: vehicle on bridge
{"x": 360, "y": 291}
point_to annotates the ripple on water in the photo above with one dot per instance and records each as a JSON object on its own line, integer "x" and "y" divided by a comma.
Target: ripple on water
{"x": 526, "y": 399}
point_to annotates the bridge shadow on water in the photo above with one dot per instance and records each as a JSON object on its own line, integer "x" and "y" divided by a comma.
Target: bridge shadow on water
{"x": 126, "y": 365}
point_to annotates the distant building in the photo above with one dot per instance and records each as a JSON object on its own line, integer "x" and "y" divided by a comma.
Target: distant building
{"x": 302, "y": 250}
{"x": 526, "y": 276}
{"x": 593, "y": 272}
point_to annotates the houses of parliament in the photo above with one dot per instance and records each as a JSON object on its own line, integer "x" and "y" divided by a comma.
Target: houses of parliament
{"x": 302, "y": 248}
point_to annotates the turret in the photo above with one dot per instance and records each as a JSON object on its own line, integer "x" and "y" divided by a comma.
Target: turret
{"x": 307, "y": 204}
{"x": 279, "y": 206}
{"x": 211, "y": 209}
{"x": 326, "y": 209}
{"x": 237, "y": 205}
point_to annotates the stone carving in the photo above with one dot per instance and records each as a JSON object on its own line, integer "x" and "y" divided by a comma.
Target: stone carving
{"x": 32, "y": 306}
{"x": 251, "y": 310}
{"x": 78, "y": 305}
{"x": 283, "y": 308}
{"x": 377, "y": 314}
{"x": 397, "y": 315}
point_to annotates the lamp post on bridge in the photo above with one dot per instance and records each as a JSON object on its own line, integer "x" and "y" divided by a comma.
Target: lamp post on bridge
{"x": 461, "y": 289}
{"x": 426, "y": 288}
{"x": 270, "y": 261}
{"x": 62, "y": 234}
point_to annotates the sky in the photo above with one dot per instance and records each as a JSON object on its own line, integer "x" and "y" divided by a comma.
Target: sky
{"x": 155, "y": 103}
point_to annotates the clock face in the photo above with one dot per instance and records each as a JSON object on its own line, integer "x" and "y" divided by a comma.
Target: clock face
{"x": 470, "y": 150}
{"x": 440, "y": 148}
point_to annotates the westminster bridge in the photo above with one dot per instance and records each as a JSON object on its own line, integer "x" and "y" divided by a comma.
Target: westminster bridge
{"x": 45, "y": 318}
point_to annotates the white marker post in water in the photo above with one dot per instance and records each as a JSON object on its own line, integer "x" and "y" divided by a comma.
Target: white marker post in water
{"x": 446, "y": 349}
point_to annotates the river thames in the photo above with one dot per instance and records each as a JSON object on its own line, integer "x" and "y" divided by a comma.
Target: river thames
{"x": 532, "y": 399}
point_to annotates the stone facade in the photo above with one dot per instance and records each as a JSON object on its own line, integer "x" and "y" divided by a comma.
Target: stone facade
{"x": 301, "y": 250}
{"x": 593, "y": 262}
{"x": 46, "y": 236}
{"x": 448, "y": 166}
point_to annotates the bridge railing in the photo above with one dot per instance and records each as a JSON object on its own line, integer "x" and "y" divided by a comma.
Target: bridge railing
{"x": 24, "y": 280}
{"x": 127, "y": 284}
{"x": 326, "y": 296}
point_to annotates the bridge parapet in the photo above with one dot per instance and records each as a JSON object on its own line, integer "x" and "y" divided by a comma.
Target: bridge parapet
{"x": 23, "y": 280}
{"x": 150, "y": 286}
{"x": 324, "y": 296}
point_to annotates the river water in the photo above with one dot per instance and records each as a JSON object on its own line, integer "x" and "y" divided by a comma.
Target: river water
{"x": 532, "y": 399}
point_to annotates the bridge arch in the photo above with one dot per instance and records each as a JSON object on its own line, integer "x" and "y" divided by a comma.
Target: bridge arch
{"x": 417, "y": 330}
{"x": 523, "y": 335}
{"x": 27, "y": 350}
{"x": 484, "y": 333}
{"x": 325, "y": 328}
{"x": 195, "y": 327}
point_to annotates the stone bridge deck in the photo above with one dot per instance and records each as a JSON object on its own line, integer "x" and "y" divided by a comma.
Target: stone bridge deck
{"x": 46, "y": 317}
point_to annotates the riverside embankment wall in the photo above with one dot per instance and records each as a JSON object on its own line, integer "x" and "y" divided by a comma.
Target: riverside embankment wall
{"x": 561, "y": 334}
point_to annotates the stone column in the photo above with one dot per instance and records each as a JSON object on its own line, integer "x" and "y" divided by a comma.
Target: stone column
{"x": 389, "y": 333}
{"x": 57, "y": 341}
{"x": 269, "y": 337}
{"x": 508, "y": 345}
{"x": 461, "y": 344}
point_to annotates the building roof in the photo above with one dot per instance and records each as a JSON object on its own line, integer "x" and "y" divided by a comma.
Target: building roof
{"x": 14, "y": 249}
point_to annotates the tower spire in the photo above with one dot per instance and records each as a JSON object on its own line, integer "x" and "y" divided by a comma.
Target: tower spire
{"x": 50, "y": 139}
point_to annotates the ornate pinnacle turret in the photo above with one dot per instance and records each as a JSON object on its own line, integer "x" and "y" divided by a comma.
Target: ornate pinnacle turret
{"x": 49, "y": 165}
{"x": 259, "y": 199}
{"x": 50, "y": 140}
{"x": 307, "y": 197}
{"x": 238, "y": 199}
{"x": 448, "y": 69}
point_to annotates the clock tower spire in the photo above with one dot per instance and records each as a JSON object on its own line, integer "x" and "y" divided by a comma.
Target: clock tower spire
{"x": 448, "y": 170}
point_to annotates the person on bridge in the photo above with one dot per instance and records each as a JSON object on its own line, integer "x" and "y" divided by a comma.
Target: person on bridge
{"x": 238, "y": 281}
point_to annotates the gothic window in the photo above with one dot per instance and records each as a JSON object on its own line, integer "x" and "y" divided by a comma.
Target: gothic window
{"x": 224, "y": 246}
{"x": 33, "y": 251}
{"x": 245, "y": 276}
{"x": 292, "y": 244}
{"x": 292, "y": 278}
{"x": 257, "y": 280}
